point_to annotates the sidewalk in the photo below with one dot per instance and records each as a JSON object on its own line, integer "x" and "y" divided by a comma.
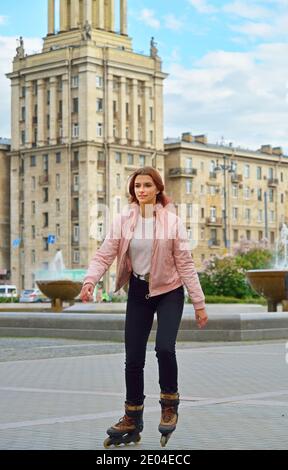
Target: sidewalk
{"x": 233, "y": 395}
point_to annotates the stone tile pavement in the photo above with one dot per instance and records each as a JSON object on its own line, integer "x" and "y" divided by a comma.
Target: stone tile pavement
{"x": 63, "y": 394}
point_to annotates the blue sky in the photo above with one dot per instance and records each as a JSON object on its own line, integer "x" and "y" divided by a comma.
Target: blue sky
{"x": 227, "y": 62}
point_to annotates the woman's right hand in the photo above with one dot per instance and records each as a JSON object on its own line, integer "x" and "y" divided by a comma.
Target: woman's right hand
{"x": 86, "y": 294}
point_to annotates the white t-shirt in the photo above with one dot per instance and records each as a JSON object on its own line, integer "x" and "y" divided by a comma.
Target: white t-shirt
{"x": 140, "y": 249}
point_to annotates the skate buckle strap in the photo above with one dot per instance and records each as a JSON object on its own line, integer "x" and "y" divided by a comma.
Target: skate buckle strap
{"x": 169, "y": 396}
{"x": 134, "y": 407}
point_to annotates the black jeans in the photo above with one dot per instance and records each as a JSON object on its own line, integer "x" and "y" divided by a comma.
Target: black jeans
{"x": 139, "y": 320}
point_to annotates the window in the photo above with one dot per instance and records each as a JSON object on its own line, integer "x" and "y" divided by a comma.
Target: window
{"x": 139, "y": 112}
{"x": 57, "y": 205}
{"x": 33, "y": 257}
{"x": 76, "y": 256}
{"x": 118, "y": 205}
{"x": 235, "y": 213}
{"x": 142, "y": 160}
{"x": 76, "y": 233}
{"x": 45, "y": 219}
{"x": 99, "y": 105}
{"x": 75, "y": 81}
{"x": 118, "y": 181}
{"x": 23, "y": 137}
{"x": 130, "y": 159}
{"x": 212, "y": 165}
{"x": 202, "y": 190}
{"x": 188, "y": 186}
{"x": 45, "y": 194}
{"x": 58, "y": 157}
{"x": 202, "y": 166}
{"x": 118, "y": 157}
{"x": 23, "y": 113}
{"x": 48, "y": 97}
{"x": 213, "y": 214}
{"x": 189, "y": 233}
{"x": 76, "y": 183}
{"x": 188, "y": 163}
{"x": 58, "y": 231}
{"x": 33, "y": 161}
{"x": 189, "y": 209}
{"x": 234, "y": 190}
{"x": 140, "y": 133}
{"x": 75, "y": 131}
{"x": 45, "y": 163}
{"x": 33, "y": 207}
{"x": 212, "y": 190}
{"x": 270, "y": 173}
{"x": 99, "y": 81}
{"x": 272, "y": 216}
{"x": 76, "y": 157}
{"x": 75, "y": 105}
{"x": 248, "y": 234}
{"x": 271, "y": 195}
{"x": 260, "y": 235}
{"x": 247, "y": 214}
{"x": 127, "y": 110}
{"x": 151, "y": 113}
{"x": 33, "y": 232}
{"x": 282, "y": 198}
{"x": 260, "y": 215}
{"x": 246, "y": 171}
{"x": 259, "y": 194}
{"x": 259, "y": 173}
{"x": 99, "y": 129}
{"x": 151, "y": 137}
{"x": 202, "y": 212}
{"x": 246, "y": 192}
{"x": 272, "y": 238}
{"x": 45, "y": 244}
{"x": 281, "y": 177}
{"x": 202, "y": 234}
{"x": 58, "y": 181}
{"x": 33, "y": 182}
{"x": 235, "y": 236}
{"x": 101, "y": 156}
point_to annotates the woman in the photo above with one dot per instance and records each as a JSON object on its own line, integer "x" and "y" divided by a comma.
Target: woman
{"x": 154, "y": 257}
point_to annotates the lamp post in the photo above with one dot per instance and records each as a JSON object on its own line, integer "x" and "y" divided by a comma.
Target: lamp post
{"x": 230, "y": 168}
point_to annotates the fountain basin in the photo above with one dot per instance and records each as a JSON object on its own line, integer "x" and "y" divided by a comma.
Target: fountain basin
{"x": 60, "y": 291}
{"x": 271, "y": 284}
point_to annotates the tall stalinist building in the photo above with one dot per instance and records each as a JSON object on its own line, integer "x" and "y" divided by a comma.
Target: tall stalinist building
{"x": 86, "y": 111}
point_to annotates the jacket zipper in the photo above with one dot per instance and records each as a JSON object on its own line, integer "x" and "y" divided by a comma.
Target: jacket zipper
{"x": 147, "y": 296}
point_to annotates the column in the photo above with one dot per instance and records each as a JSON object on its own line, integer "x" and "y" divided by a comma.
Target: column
{"x": 75, "y": 14}
{"x": 65, "y": 108}
{"x": 28, "y": 121}
{"x": 53, "y": 111}
{"x": 134, "y": 114}
{"x": 63, "y": 15}
{"x": 110, "y": 117}
{"x": 146, "y": 115}
{"x": 88, "y": 11}
{"x": 40, "y": 112}
{"x": 122, "y": 109}
{"x": 158, "y": 114}
{"x": 51, "y": 17}
{"x": 100, "y": 14}
{"x": 123, "y": 17}
{"x": 15, "y": 114}
{"x": 111, "y": 17}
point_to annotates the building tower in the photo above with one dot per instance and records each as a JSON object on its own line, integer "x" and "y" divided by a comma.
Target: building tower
{"x": 86, "y": 111}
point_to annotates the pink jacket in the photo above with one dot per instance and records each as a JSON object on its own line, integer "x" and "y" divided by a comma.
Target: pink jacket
{"x": 171, "y": 265}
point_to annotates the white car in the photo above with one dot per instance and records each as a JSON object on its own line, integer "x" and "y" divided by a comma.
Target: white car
{"x": 32, "y": 295}
{"x": 7, "y": 291}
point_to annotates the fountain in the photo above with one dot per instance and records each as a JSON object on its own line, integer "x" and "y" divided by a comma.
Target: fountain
{"x": 60, "y": 284}
{"x": 273, "y": 283}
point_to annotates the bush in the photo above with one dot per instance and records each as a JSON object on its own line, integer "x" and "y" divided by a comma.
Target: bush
{"x": 225, "y": 276}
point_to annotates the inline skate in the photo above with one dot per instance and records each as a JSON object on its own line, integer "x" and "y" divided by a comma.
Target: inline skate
{"x": 169, "y": 416}
{"x": 128, "y": 428}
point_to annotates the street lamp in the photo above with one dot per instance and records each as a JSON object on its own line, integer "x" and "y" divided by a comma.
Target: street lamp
{"x": 230, "y": 168}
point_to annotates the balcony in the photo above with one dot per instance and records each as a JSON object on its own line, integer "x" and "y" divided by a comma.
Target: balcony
{"x": 273, "y": 182}
{"x": 236, "y": 178}
{"x": 44, "y": 180}
{"x": 182, "y": 172}
{"x": 214, "y": 243}
{"x": 215, "y": 221}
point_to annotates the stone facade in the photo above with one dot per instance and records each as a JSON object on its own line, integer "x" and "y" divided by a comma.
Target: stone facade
{"x": 194, "y": 174}
{"x": 86, "y": 112}
{"x": 4, "y": 211}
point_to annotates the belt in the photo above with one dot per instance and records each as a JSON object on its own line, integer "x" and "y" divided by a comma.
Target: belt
{"x": 144, "y": 277}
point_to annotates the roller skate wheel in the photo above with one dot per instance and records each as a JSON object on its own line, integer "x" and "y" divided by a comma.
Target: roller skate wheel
{"x": 107, "y": 443}
{"x": 164, "y": 439}
{"x": 138, "y": 439}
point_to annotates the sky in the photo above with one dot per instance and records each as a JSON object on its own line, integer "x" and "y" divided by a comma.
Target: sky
{"x": 227, "y": 63}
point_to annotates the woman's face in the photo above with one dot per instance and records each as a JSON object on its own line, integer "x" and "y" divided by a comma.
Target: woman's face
{"x": 145, "y": 189}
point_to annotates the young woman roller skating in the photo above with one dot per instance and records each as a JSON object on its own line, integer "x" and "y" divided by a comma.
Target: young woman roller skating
{"x": 153, "y": 255}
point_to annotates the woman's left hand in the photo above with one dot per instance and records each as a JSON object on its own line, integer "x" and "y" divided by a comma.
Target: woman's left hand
{"x": 201, "y": 317}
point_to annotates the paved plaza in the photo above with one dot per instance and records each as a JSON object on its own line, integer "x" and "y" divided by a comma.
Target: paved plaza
{"x": 63, "y": 394}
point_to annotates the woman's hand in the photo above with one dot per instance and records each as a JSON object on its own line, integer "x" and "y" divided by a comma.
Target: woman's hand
{"x": 201, "y": 317}
{"x": 86, "y": 294}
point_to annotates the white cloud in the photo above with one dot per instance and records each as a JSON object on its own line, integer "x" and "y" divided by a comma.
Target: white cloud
{"x": 202, "y": 6}
{"x": 8, "y": 46}
{"x": 148, "y": 17}
{"x": 254, "y": 30}
{"x": 243, "y": 95}
{"x": 171, "y": 22}
{"x": 246, "y": 10}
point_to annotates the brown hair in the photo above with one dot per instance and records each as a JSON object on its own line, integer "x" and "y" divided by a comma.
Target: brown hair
{"x": 156, "y": 177}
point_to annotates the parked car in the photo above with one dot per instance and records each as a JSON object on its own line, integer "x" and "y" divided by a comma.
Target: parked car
{"x": 32, "y": 295}
{"x": 7, "y": 291}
